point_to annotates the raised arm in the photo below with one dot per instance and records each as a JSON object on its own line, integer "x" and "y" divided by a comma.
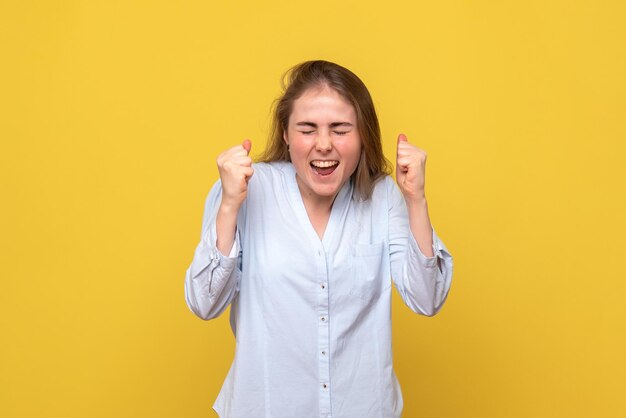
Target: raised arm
{"x": 421, "y": 264}
{"x": 212, "y": 279}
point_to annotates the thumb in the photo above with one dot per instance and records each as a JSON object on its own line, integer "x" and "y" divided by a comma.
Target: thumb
{"x": 400, "y": 170}
{"x": 247, "y": 145}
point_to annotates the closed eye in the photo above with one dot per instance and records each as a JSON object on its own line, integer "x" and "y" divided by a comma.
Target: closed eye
{"x": 307, "y": 132}
{"x": 341, "y": 132}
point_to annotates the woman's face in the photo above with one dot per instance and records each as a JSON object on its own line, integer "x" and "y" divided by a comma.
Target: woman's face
{"x": 324, "y": 142}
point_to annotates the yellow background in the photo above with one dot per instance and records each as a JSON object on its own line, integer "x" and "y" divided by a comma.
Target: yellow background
{"x": 112, "y": 114}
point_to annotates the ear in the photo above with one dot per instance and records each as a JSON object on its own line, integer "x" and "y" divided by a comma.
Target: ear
{"x": 285, "y": 137}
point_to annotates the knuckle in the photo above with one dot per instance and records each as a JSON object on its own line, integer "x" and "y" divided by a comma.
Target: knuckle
{"x": 228, "y": 166}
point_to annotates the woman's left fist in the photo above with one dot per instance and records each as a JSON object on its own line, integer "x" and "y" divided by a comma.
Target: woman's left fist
{"x": 410, "y": 169}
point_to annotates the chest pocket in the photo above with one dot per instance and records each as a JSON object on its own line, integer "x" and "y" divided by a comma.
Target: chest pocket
{"x": 368, "y": 272}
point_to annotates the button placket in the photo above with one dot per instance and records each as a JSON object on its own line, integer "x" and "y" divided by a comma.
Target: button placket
{"x": 323, "y": 332}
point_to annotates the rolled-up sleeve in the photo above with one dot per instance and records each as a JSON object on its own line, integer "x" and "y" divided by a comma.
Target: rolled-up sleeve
{"x": 212, "y": 279}
{"x": 423, "y": 282}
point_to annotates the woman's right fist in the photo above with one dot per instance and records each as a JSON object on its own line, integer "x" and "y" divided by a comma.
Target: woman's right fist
{"x": 235, "y": 167}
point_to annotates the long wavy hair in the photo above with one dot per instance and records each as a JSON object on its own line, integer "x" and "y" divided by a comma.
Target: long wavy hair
{"x": 310, "y": 74}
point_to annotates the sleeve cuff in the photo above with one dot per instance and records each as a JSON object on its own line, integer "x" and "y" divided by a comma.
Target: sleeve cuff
{"x": 234, "y": 251}
{"x": 210, "y": 240}
{"x": 437, "y": 249}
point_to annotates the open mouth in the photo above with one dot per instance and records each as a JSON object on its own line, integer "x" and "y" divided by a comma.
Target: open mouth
{"x": 324, "y": 168}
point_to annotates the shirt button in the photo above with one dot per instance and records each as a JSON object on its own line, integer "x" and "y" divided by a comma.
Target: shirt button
{"x": 324, "y": 385}
{"x": 323, "y": 319}
{"x": 323, "y": 285}
{"x": 323, "y": 352}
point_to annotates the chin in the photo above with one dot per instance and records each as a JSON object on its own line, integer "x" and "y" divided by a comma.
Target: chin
{"x": 327, "y": 191}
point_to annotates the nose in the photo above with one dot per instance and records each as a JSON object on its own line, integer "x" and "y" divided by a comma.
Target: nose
{"x": 323, "y": 142}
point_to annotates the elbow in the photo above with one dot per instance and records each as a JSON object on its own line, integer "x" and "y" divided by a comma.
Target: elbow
{"x": 199, "y": 309}
{"x": 205, "y": 308}
{"x": 436, "y": 305}
{"x": 199, "y": 301}
{"x": 427, "y": 304}
{"x": 422, "y": 306}
{"x": 439, "y": 294}
{"x": 202, "y": 311}
{"x": 432, "y": 310}
{"x": 425, "y": 308}
{"x": 205, "y": 304}
{"x": 206, "y": 315}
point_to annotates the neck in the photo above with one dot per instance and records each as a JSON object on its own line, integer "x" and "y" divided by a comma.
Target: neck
{"x": 318, "y": 209}
{"x": 318, "y": 205}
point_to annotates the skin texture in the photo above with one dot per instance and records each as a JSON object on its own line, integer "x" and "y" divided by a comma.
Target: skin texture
{"x": 410, "y": 175}
{"x": 235, "y": 168}
{"x": 322, "y": 127}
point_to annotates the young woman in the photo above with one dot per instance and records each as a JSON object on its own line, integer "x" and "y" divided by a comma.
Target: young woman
{"x": 304, "y": 246}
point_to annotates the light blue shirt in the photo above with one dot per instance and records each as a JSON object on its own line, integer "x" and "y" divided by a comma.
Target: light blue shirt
{"x": 311, "y": 317}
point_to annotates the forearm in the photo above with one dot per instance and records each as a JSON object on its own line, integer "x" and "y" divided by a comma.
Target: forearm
{"x": 420, "y": 225}
{"x": 421, "y": 266}
{"x": 226, "y": 227}
{"x": 211, "y": 280}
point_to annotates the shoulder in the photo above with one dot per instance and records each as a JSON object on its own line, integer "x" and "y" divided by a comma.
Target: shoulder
{"x": 269, "y": 174}
{"x": 270, "y": 169}
{"x": 386, "y": 189}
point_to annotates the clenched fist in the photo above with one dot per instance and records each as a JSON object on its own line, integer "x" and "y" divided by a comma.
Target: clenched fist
{"x": 410, "y": 170}
{"x": 235, "y": 167}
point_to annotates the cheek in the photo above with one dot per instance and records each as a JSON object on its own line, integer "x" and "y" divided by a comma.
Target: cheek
{"x": 355, "y": 152}
{"x": 298, "y": 153}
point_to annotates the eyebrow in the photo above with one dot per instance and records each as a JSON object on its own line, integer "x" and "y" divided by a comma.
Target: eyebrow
{"x": 332, "y": 125}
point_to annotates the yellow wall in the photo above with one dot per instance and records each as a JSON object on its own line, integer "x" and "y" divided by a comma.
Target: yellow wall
{"x": 112, "y": 114}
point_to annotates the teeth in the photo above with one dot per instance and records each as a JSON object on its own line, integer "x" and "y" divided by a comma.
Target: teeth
{"x": 324, "y": 164}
